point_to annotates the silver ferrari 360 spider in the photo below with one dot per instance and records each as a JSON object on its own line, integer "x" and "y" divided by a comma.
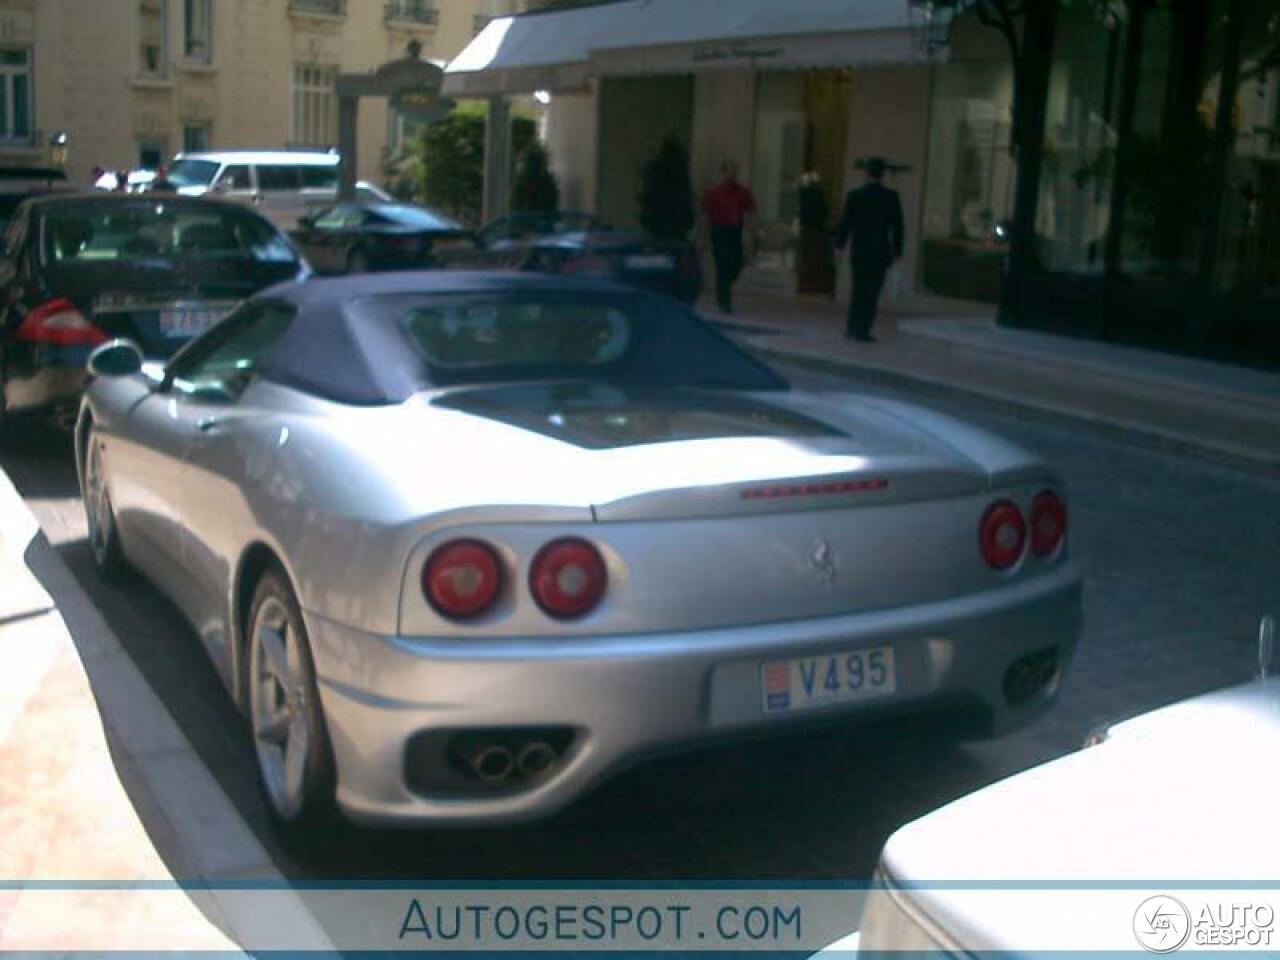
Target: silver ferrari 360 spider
{"x": 461, "y": 545}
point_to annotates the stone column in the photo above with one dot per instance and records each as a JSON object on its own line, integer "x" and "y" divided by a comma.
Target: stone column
{"x": 497, "y": 159}
{"x": 348, "y": 139}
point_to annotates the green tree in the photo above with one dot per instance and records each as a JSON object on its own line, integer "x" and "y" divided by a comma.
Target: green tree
{"x": 535, "y": 186}
{"x": 666, "y": 192}
{"x": 446, "y": 162}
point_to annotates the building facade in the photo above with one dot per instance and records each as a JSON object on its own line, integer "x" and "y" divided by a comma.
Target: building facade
{"x": 131, "y": 82}
{"x": 1154, "y": 207}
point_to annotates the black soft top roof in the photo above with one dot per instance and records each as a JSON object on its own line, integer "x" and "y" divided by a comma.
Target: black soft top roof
{"x": 341, "y": 346}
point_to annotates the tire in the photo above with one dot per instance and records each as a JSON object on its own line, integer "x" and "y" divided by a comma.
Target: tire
{"x": 286, "y": 721}
{"x": 358, "y": 261}
{"x": 104, "y": 536}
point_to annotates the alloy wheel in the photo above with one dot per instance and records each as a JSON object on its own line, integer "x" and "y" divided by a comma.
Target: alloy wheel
{"x": 280, "y": 708}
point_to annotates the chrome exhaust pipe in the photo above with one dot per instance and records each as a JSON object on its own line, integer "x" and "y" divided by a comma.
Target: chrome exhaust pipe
{"x": 536, "y": 758}
{"x": 492, "y": 763}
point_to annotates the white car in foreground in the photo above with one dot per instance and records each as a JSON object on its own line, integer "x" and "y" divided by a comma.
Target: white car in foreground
{"x": 1162, "y": 835}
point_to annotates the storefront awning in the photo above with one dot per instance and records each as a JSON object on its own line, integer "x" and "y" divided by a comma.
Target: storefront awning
{"x": 562, "y": 49}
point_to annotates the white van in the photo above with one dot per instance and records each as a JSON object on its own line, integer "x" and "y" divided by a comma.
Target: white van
{"x": 284, "y": 185}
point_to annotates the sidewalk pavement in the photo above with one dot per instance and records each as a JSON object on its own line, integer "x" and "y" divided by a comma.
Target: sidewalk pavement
{"x": 106, "y": 812}
{"x": 1216, "y": 410}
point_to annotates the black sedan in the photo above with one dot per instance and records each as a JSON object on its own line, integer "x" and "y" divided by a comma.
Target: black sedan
{"x": 670, "y": 267}
{"x": 507, "y": 241}
{"x": 80, "y": 269}
{"x": 359, "y": 237}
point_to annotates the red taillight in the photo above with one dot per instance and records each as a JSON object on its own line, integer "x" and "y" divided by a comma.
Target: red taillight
{"x": 568, "y": 578}
{"x": 59, "y": 324}
{"x": 1048, "y": 523}
{"x": 1002, "y": 535}
{"x": 461, "y": 579}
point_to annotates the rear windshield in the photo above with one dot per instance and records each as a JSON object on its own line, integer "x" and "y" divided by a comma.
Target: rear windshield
{"x": 104, "y": 231}
{"x": 192, "y": 173}
{"x": 417, "y": 217}
{"x": 636, "y": 340}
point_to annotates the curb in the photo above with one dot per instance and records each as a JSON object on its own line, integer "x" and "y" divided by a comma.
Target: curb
{"x": 191, "y": 825}
{"x": 1224, "y": 454}
{"x": 938, "y": 338}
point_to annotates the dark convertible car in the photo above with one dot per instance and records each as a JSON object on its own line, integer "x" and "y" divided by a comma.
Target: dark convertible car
{"x": 359, "y": 237}
{"x": 79, "y": 269}
{"x": 664, "y": 266}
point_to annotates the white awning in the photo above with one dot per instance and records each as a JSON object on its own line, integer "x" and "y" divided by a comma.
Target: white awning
{"x": 561, "y": 49}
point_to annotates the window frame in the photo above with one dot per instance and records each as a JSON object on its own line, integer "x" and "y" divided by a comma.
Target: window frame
{"x": 161, "y": 71}
{"x": 189, "y": 36}
{"x": 314, "y": 119}
{"x": 188, "y": 146}
{"x": 178, "y": 371}
{"x": 9, "y": 99}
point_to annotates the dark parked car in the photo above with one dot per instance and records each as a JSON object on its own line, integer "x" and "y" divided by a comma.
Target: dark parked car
{"x": 19, "y": 183}
{"x": 78, "y": 269}
{"x": 669, "y": 267}
{"x": 507, "y": 241}
{"x": 359, "y": 237}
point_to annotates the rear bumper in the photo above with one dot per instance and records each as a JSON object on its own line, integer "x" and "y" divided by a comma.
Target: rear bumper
{"x": 624, "y": 696}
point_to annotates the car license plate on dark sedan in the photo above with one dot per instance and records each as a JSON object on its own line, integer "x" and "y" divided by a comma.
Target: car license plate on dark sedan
{"x": 806, "y": 682}
{"x": 185, "y": 322}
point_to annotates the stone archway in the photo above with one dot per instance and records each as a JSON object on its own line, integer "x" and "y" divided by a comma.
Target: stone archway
{"x": 410, "y": 83}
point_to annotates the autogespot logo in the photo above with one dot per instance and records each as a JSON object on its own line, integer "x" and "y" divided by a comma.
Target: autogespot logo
{"x": 1162, "y": 923}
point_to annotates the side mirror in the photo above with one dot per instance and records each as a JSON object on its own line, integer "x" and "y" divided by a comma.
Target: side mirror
{"x": 116, "y": 358}
{"x": 306, "y": 223}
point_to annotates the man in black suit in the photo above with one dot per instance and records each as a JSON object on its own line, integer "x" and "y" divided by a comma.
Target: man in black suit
{"x": 872, "y": 225}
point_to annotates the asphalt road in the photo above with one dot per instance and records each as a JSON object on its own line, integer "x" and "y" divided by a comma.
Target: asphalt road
{"x": 1181, "y": 558}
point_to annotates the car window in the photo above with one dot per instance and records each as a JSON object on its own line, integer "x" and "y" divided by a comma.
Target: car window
{"x": 417, "y": 217}
{"x": 236, "y": 178}
{"x": 13, "y": 233}
{"x": 465, "y": 336}
{"x": 222, "y": 362}
{"x": 189, "y": 172}
{"x": 276, "y": 176}
{"x": 323, "y": 178}
{"x": 89, "y": 231}
{"x": 371, "y": 194}
{"x": 331, "y": 219}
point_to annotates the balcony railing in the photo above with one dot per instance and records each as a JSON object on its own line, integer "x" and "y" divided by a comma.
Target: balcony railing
{"x": 328, "y": 8}
{"x": 419, "y": 12}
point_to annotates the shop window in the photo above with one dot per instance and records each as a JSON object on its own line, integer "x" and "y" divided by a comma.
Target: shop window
{"x": 970, "y": 179}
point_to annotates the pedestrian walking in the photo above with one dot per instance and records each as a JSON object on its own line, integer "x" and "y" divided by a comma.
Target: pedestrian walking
{"x": 728, "y": 206}
{"x": 872, "y": 227}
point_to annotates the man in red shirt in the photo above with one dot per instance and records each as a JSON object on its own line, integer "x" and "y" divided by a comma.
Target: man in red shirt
{"x": 727, "y": 206}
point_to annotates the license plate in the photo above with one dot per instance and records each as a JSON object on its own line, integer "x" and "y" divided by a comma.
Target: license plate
{"x": 806, "y": 682}
{"x": 648, "y": 261}
{"x": 187, "y": 323}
